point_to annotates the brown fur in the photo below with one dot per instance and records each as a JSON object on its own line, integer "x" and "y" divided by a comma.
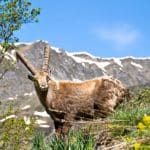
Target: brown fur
{"x": 68, "y": 101}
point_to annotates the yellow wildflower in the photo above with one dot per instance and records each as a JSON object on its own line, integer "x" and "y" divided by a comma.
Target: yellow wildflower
{"x": 110, "y": 126}
{"x": 146, "y": 120}
{"x": 129, "y": 139}
{"x": 141, "y": 126}
{"x": 137, "y": 146}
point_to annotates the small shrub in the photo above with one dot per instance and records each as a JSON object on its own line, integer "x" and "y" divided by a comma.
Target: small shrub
{"x": 15, "y": 134}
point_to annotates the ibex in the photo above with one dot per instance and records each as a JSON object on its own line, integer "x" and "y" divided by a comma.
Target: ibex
{"x": 67, "y": 101}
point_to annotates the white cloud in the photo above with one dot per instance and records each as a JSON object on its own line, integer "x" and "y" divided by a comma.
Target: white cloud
{"x": 119, "y": 35}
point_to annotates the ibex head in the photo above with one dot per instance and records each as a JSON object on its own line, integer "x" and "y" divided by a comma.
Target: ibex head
{"x": 39, "y": 77}
{"x": 40, "y": 80}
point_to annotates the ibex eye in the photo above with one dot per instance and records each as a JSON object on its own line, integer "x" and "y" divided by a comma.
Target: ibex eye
{"x": 30, "y": 77}
{"x": 47, "y": 78}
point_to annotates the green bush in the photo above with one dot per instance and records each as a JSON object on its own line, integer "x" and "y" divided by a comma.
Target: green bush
{"x": 131, "y": 121}
{"x": 15, "y": 134}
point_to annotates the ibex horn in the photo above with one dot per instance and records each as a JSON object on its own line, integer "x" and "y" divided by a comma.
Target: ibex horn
{"x": 46, "y": 58}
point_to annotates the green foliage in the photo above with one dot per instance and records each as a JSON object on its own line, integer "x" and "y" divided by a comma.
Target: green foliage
{"x": 5, "y": 46}
{"x": 38, "y": 142}
{"x": 131, "y": 112}
{"x": 131, "y": 122}
{"x": 14, "y": 13}
{"x": 15, "y": 134}
{"x": 76, "y": 140}
{"x": 6, "y": 64}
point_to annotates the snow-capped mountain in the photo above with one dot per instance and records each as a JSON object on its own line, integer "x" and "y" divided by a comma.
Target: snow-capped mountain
{"x": 72, "y": 66}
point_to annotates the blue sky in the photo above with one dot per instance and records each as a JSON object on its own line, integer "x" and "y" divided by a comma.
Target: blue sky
{"x": 104, "y": 28}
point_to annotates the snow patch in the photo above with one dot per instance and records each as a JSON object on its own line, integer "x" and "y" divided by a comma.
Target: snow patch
{"x": 139, "y": 58}
{"x": 27, "y": 120}
{"x": 119, "y": 58}
{"x": 11, "y": 98}
{"x": 126, "y": 57}
{"x": 56, "y": 49}
{"x": 23, "y": 43}
{"x": 136, "y": 65}
{"x": 28, "y": 94}
{"x": 83, "y": 64}
{"x": 25, "y": 107}
{"x": 120, "y": 69}
{"x": 39, "y": 121}
{"x": 44, "y": 126}
{"x": 41, "y": 114}
{"x": 84, "y": 53}
{"x": 118, "y": 61}
{"x": 8, "y": 117}
{"x": 101, "y": 65}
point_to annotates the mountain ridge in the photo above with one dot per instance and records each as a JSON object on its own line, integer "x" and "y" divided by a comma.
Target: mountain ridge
{"x": 131, "y": 71}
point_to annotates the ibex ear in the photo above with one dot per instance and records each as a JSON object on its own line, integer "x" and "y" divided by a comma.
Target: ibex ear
{"x": 30, "y": 77}
{"x": 50, "y": 72}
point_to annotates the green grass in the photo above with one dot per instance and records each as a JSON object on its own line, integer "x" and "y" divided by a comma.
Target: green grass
{"x": 130, "y": 124}
{"x": 127, "y": 122}
{"x": 75, "y": 140}
{"x": 131, "y": 112}
{"x": 38, "y": 142}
